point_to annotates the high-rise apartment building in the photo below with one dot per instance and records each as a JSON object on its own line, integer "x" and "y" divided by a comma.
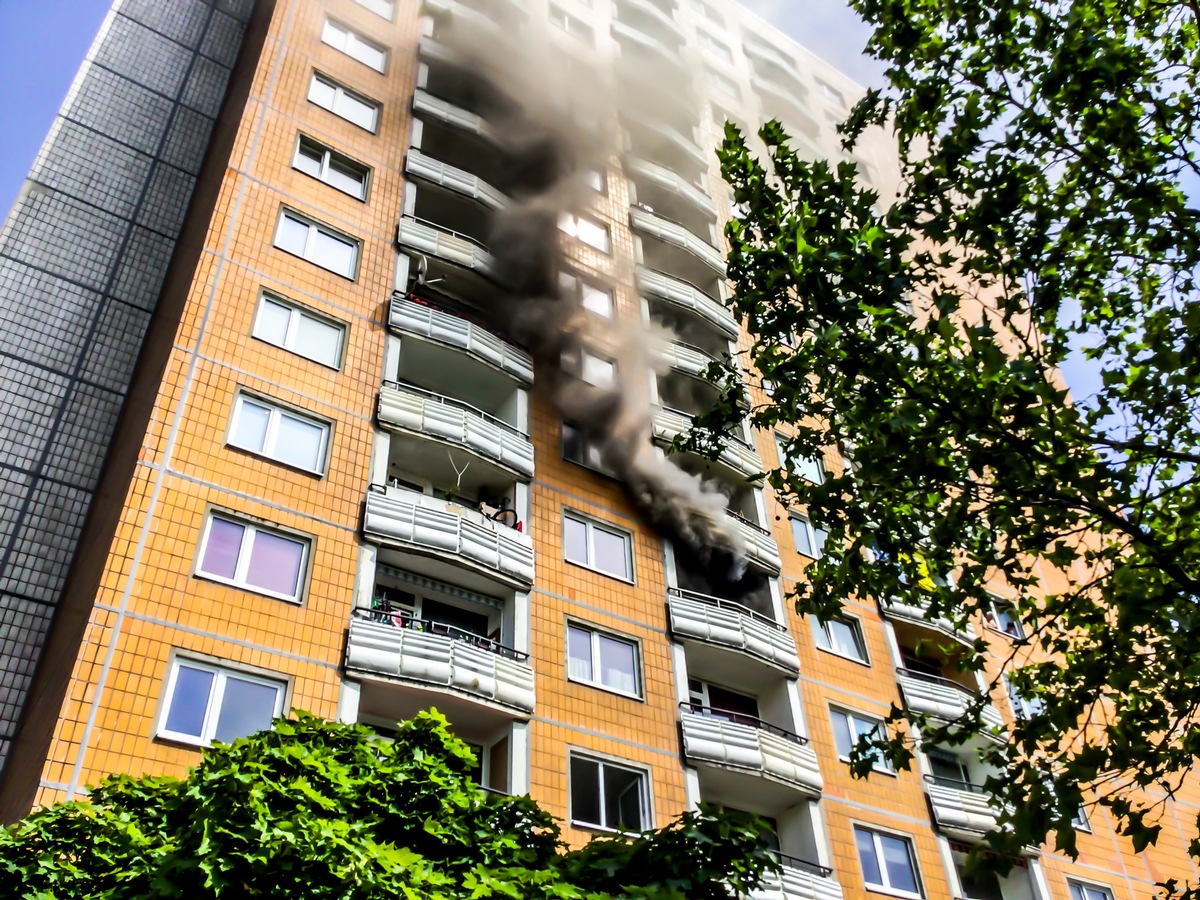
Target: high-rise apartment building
{"x": 272, "y": 440}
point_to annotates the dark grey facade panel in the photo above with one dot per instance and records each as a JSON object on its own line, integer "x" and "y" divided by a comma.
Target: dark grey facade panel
{"x": 83, "y": 255}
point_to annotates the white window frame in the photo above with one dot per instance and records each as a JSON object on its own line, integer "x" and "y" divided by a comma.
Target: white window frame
{"x": 808, "y": 526}
{"x": 647, "y": 808}
{"x": 593, "y": 359}
{"x": 315, "y": 228}
{"x": 296, "y": 314}
{"x": 328, "y": 156}
{"x": 878, "y": 764}
{"x": 800, "y": 466}
{"x": 245, "y": 551}
{"x": 346, "y": 40}
{"x": 276, "y": 412}
{"x": 1088, "y": 890}
{"x": 596, "y": 680}
{"x": 342, "y": 91}
{"x": 834, "y": 647}
{"x": 385, "y": 9}
{"x": 1080, "y": 821}
{"x": 1011, "y": 613}
{"x": 212, "y": 711}
{"x": 875, "y": 834}
{"x": 1021, "y": 707}
{"x": 592, "y": 525}
{"x": 569, "y": 224}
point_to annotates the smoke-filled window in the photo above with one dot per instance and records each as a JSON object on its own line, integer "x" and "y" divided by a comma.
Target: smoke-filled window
{"x": 578, "y": 449}
{"x": 597, "y": 370}
{"x": 587, "y": 231}
{"x": 599, "y": 547}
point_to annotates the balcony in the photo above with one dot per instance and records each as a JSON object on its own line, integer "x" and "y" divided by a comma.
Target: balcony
{"x": 961, "y": 809}
{"x": 452, "y": 178}
{"x": 943, "y": 699}
{"x": 799, "y": 880}
{"x": 653, "y": 11}
{"x": 492, "y": 13}
{"x": 761, "y": 550}
{"x": 414, "y": 409}
{"x": 407, "y": 649}
{"x": 450, "y": 246}
{"x": 427, "y": 106}
{"x": 919, "y": 615}
{"x": 424, "y": 321}
{"x": 673, "y": 182}
{"x": 670, "y": 423}
{"x": 655, "y": 140}
{"x": 730, "y": 625}
{"x": 676, "y": 235}
{"x": 742, "y": 746}
{"x": 758, "y": 50}
{"x": 429, "y": 526}
{"x": 688, "y": 297}
{"x": 623, "y": 31}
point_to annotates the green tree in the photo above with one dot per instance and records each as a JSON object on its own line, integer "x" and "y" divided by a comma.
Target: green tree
{"x": 1048, "y": 204}
{"x": 323, "y": 810}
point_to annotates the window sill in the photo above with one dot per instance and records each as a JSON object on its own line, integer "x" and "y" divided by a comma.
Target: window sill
{"x": 334, "y": 272}
{"x": 619, "y": 578}
{"x": 853, "y": 659}
{"x": 315, "y": 362}
{"x": 1015, "y": 638}
{"x": 878, "y": 771}
{"x": 608, "y": 690}
{"x": 182, "y": 740}
{"x": 889, "y": 892}
{"x": 604, "y": 829}
{"x": 204, "y": 576}
{"x": 299, "y": 470}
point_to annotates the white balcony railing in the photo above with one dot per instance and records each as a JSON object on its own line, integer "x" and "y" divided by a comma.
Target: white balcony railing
{"x": 799, "y": 883}
{"x": 919, "y": 614}
{"x": 784, "y": 757}
{"x": 684, "y": 357}
{"x": 687, "y": 296}
{"x": 961, "y": 810}
{"x": 687, "y": 144}
{"x": 480, "y": 668}
{"x": 409, "y": 317}
{"x": 422, "y": 412}
{"x": 731, "y": 625}
{"x": 942, "y": 698}
{"x": 436, "y": 527}
{"x": 669, "y": 424}
{"x": 673, "y": 182}
{"x": 656, "y": 12}
{"x": 638, "y": 36}
{"x": 677, "y": 235}
{"x": 761, "y": 549}
{"x": 454, "y": 179}
{"x": 427, "y": 237}
{"x": 425, "y": 105}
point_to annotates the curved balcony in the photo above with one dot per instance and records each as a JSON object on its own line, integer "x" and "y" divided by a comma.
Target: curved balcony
{"x": 406, "y": 649}
{"x": 799, "y": 880}
{"x": 452, "y": 178}
{"x": 724, "y": 623}
{"x": 919, "y": 615}
{"x": 750, "y": 746}
{"x": 671, "y": 137}
{"x": 423, "y": 524}
{"x": 410, "y": 408}
{"x": 473, "y": 12}
{"x": 687, "y": 296}
{"x": 420, "y": 320}
{"x": 684, "y": 357}
{"x": 655, "y": 12}
{"x": 673, "y": 233}
{"x": 624, "y": 31}
{"x": 669, "y": 424}
{"x": 961, "y": 809}
{"x": 761, "y": 550}
{"x": 427, "y": 105}
{"x": 943, "y": 699}
{"x": 672, "y": 181}
{"x": 757, "y": 50}
{"x": 432, "y": 239}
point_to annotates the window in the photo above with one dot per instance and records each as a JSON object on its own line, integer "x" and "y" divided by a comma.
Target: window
{"x": 318, "y": 244}
{"x": 279, "y": 434}
{"x": 572, "y": 25}
{"x": 596, "y": 178}
{"x": 708, "y": 12}
{"x": 607, "y": 795}
{"x": 206, "y": 703}
{"x": 252, "y": 557}
{"x": 592, "y": 298}
{"x": 713, "y": 46}
{"x": 298, "y": 331}
{"x": 947, "y": 769}
{"x": 1080, "y": 820}
{"x": 602, "y": 660}
{"x": 337, "y": 171}
{"x": 722, "y": 703}
{"x": 354, "y": 45}
{"x": 578, "y": 449}
{"x": 343, "y": 102}
{"x": 841, "y": 636}
{"x": 809, "y": 540}
{"x": 831, "y": 93}
{"x": 888, "y": 863}
{"x": 592, "y": 233}
{"x": 384, "y": 8}
{"x": 810, "y": 468}
{"x": 1088, "y": 891}
{"x": 1023, "y": 707}
{"x": 1002, "y": 616}
{"x": 597, "y": 370}
{"x": 848, "y": 727}
{"x": 598, "y": 547}
{"x": 721, "y": 83}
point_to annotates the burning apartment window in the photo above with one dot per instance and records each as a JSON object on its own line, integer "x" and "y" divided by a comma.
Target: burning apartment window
{"x": 587, "y": 231}
{"x": 608, "y": 796}
{"x": 596, "y": 370}
{"x": 598, "y": 547}
{"x": 592, "y": 298}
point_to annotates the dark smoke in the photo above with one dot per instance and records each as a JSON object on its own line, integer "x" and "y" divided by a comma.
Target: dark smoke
{"x": 546, "y": 152}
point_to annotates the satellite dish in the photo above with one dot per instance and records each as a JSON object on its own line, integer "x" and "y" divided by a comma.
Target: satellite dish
{"x": 422, "y": 268}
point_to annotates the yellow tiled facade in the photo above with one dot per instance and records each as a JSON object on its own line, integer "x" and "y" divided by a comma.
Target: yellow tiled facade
{"x": 153, "y": 604}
